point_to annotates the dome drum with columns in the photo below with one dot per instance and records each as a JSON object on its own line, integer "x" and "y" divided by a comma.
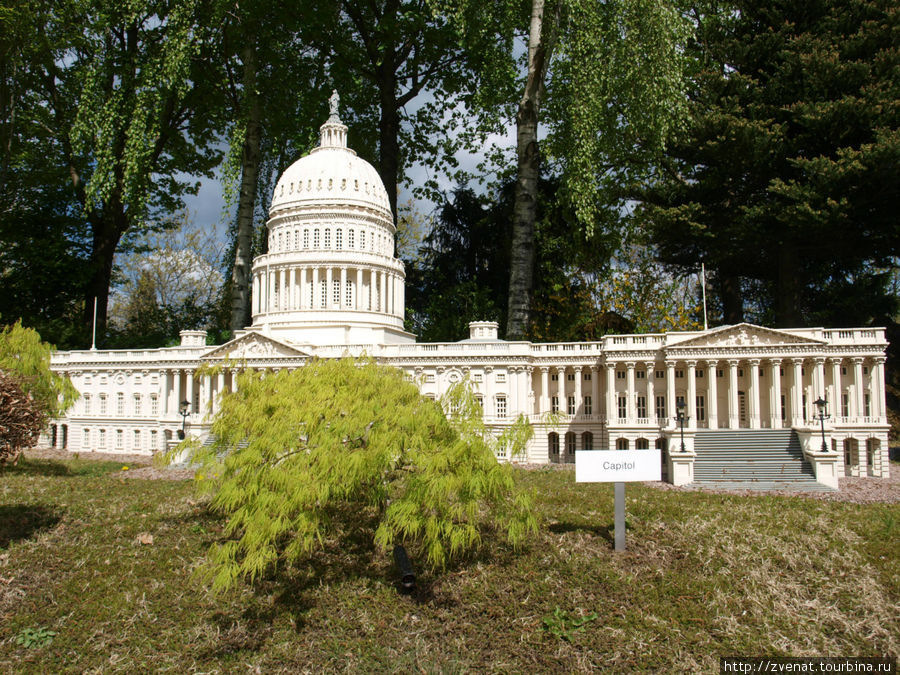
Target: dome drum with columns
{"x": 330, "y": 286}
{"x": 330, "y": 276}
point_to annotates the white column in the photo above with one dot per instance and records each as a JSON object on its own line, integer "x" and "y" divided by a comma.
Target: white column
{"x": 206, "y": 395}
{"x": 877, "y": 393}
{"x": 595, "y": 392}
{"x": 285, "y": 292}
{"x": 329, "y": 291}
{"x": 270, "y": 304}
{"x": 254, "y": 295}
{"x": 358, "y": 300}
{"x": 712, "y": 393}
{"x": 819, "y": 378}
{"x": 220, "y": 390}
{"x": 342, "y": 296}
{"x": 189, "y": 381}
{"x": 754, "y": 393}
{"x": 611, "y": 409}
{"x": 489, "y": 407}
{"x": 834, "y": 396}
{"x": 692, "y": 394}
{"x": 630, "y": 392}
{"x": 545, "y": 390}
{"x": 179, "y": 392}
{"x": 401, "y": 295}
{"x": 164, "y": 377}
{"x": 733, "y": 412}
{"x": 317, "y": 301}
{"x": 650, "y": 367}
{"x": 579, "y": 401}
{"x": 775, "y": 390}
{"x": 371, "y": 293}
{"x": 670, "y": 390}
{"x": 797, "y": 393}
{"x": 857, "y": 397}
{"x": 382, "y": 293}
{"x": 292, "y": 284}
{"x": 561, "y": 389}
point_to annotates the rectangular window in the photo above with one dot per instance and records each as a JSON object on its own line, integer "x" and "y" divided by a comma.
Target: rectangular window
{"x": 622, "y": 407}
{"x": 480, "y": 401}
{"x": 554, "y": 377}
{"x": 336, "y": 291}
{"x": 327, "y": 238}
{"x": 316, "y": 238}
{"x": 296, "y": 239}
{"x": 154, "y": 404}
{"x": 587, "y": 375}
{"x": 660, "y": 374}
{"x": 570, "y": 377}
{"x": 339, "y": 239}
{"x": 679, "y": 372}
{"x": 501, "y": 406}
{"x": 323, "y": 289}
{"x": 137, "y": 440}
{"x": 350, "y": 238}
{"x": 87, "y": 404}
{"x": 477, "y": 377}
{"x": 101, "y": 439}
{"x": 120, "y": 439}
{"x": 699, "y": 373}
{"x": 153, "y": 440}
{"x": 783, "y": 406}
{"x": 701, "y": 408}
{"x": 554, "y": 404}
{"x": 620, "y": 374}
{"x": 348, "y": 293}
{"x": 501, "y": 378}
{"x": 661, "y": 407}
{"x": 642, "y": 407}
{"x": 570, "y": 407}
{"x": 867, "y": 404}
{"x": 362, "y": 240}
{"x": 305, "y": 238}
{"x": 721, "y": 373}
{"x": 640, "y": 374}
{"x": 86, "y": 439}
{"x": 804, "y": 407}
{"x": 845, "y": 405}
{"x": 429, "y": 377}
{"x": 588, "y": 409}
{"x": 102, "y": 404}
{"x": 679, "y": 402}
{"x": 137, "y": 405}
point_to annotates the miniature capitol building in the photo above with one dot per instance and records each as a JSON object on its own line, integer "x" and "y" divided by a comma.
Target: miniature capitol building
{"x": 330, "y": 286}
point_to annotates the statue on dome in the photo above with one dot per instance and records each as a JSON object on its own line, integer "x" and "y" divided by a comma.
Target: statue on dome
{"x": 334, "y": 103}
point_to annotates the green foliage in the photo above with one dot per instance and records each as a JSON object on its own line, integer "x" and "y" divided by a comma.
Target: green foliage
{"x": 295, "y": 449}
{"x": 35, "y": 637}
{"x": 27, "y": 358}
{"x": 563, "y": 626}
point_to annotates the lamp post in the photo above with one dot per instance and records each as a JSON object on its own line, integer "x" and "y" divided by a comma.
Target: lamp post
{"x": 680, "y": 418}
{"x": 184, "y": 409}
{"x": 820, "y": 403}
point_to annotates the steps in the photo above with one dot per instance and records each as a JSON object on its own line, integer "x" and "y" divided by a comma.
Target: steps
{"x": 752, "y": 459}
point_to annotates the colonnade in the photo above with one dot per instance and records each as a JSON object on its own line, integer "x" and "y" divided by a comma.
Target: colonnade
{"x": 758, "y": 392}
{"x": 201, "y": 392}
{"x": 312, "y": 288}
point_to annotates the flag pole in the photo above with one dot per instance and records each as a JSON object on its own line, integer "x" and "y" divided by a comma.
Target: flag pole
{"x": 703, "y": 286}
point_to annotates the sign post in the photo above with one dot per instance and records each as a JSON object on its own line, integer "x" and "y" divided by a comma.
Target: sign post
{"x": 618, "y": 467}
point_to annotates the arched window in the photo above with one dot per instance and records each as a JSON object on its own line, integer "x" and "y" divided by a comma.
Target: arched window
{"x": 587, "y": 440}
{"x": 323, "y": 295}
{"x": 327, "y": 237}
{"x": 660, "y": 443}
{"x": 349, "y": 293}
{"x": 362, "y": 240}
{"x": 339, "y": 238}
{"x": 642, "y": 444}
{"x": 350, "y": 234}
{"x": 305, "y": 238}
{"x": 621, "y": 444}
{"x": 570, "y": 446}
{"x": 553, "y": 446}
{"x": 316, "y": 238}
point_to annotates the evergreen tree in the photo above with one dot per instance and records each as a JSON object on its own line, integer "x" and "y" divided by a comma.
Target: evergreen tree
{"x": 787, "y": 179}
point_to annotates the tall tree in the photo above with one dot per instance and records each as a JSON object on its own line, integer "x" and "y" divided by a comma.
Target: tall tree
{"x": 112, "y": 86}
{"x": 786, "y": 179}
{"x": 602, "y": 76}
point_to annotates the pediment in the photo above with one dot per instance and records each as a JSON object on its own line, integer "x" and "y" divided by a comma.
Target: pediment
{"x": 253, "y": 346}
{"x": 745, "y": 335}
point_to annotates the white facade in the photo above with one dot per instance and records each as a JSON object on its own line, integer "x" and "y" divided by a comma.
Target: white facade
{"x": 330, "y": 286}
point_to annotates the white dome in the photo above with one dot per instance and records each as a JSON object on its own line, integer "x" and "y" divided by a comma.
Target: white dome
{"x": 331, "y": 174}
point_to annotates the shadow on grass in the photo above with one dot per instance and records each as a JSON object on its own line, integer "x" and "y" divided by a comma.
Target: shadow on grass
{"x": 564, "y": 527}
{"x": 54, "y": 467}
{"x": 22, "y": 521}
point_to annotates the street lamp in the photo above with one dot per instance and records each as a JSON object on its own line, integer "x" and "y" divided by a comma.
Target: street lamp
{"x": 680, "y": 418}
{"x": 820, "y": 403}
{"x": 184, "y": 409}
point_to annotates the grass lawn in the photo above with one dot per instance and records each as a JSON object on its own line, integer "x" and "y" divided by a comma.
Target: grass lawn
{"x": 705, "y": 575}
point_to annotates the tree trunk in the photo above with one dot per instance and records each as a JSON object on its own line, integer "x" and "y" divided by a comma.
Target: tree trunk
{"x": 732, "y": 297}
{"x": 107, "y": 231}
{"x": 521, "y": 270}
{"x": 250, "y": 160}
{"x": 787, "y": 288}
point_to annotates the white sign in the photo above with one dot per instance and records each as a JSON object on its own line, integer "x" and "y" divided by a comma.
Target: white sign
{"x": 617, "y": 466}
